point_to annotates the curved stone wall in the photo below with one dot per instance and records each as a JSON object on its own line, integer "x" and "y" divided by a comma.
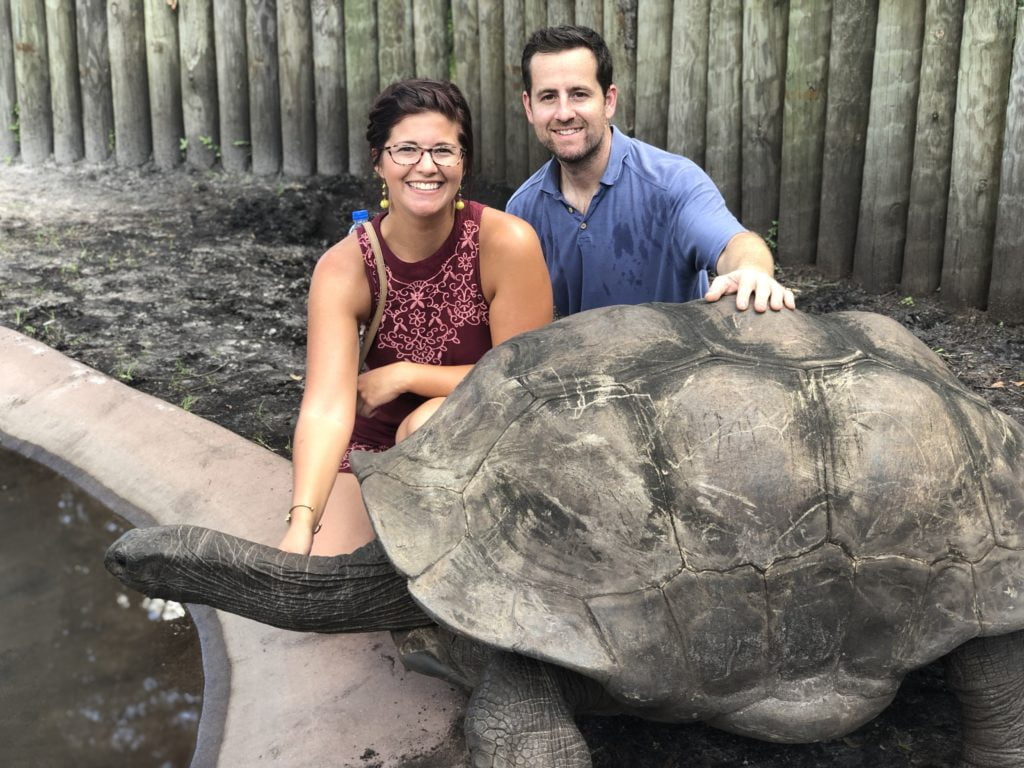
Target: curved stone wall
{"x": 272, "y": 697}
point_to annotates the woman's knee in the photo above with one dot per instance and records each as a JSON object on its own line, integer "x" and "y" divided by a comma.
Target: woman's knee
{"x": 417, "y": 418}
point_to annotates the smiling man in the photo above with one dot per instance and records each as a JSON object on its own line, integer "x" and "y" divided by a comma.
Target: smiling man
{"x": 621, "y": 221}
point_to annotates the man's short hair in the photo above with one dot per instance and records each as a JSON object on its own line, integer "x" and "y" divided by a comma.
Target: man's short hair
{"x": 567, "y": 38}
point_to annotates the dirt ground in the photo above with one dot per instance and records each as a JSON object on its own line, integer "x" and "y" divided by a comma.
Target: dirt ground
{"x": 191, "y": 286}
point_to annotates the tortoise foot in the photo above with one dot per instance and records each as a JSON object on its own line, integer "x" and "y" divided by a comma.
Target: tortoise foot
{"x": 987, "y": 675}
{"x": 518, "y": 717}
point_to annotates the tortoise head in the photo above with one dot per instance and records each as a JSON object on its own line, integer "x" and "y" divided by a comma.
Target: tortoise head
{"x": 161, "y": 561}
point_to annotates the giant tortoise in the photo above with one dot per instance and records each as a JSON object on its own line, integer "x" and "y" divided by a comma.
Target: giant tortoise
{"x": 681, "y": 512}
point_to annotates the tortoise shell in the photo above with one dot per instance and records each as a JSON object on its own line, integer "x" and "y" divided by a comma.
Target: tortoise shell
{"x": 711, "y": 511}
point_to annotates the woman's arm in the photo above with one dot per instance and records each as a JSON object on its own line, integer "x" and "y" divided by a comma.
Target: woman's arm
{"x": 338, "y": 297}
{"x": 517, "y": 288}
{"x": 514, "y": 277}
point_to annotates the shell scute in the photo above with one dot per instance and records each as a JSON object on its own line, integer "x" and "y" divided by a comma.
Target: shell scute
{"x": 999, "y": 581}
{"x": 589, "y": 516}
{"x": 886, "y": 604}
{"x": 808, "y": 600}
{"x": 745, "y": 479}
{"x": 723, "y": 619}
{"x": 903, "y": 472}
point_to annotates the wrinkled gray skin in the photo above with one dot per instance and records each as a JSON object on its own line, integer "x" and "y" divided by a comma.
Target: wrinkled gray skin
{"x": 681, "y": 512}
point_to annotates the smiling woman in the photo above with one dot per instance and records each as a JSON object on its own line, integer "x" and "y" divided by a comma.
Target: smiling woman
{"x": 461, "y": 278}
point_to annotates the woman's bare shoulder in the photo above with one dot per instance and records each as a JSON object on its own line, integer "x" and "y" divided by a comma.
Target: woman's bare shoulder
{"x": 505, "y": 232}
{"x": 341, "y": 261}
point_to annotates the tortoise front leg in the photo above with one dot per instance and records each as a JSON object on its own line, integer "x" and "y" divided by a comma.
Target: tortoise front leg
{"x": 987, "y": 675}
{"x": 521, "y": 715}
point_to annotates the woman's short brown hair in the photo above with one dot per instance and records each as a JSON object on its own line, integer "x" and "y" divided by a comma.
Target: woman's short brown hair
{"x": 415, "y": 96}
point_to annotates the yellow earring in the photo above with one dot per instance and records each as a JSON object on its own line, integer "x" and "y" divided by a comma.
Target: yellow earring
{"x": 459, "y": 202}
{"x": 384, "y": 202}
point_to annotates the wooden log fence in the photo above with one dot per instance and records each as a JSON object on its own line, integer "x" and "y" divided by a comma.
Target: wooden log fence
{"x": 882, "y": 139}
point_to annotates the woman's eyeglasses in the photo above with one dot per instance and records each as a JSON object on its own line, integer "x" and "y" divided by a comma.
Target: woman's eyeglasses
{"x": 410, "y": 154}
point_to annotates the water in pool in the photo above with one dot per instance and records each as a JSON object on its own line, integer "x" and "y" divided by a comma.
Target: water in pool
{"x": 91, "y": 674}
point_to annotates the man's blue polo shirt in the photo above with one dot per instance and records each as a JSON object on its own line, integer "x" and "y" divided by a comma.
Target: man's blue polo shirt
{"x": 655, "y": 226}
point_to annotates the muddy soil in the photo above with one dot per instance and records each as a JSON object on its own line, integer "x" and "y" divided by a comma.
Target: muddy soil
{"x": 191, "y": 286}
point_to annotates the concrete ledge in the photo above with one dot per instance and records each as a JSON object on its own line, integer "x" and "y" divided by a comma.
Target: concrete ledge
{"x": 272, "y": 697}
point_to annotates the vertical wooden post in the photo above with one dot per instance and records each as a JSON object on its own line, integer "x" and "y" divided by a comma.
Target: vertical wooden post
{"x": 164, "y": 67}
{"x": 535, "y": 15}
{"x": 561, "y": 12}
{"x": 467, "y": 64}
{"x": 933, "y": 145}
{"x": 264, "y": 90}
{"x": 764, "y": 67}
{"x": 396, "y": 49}
{"x": 232, "y": 84}
{"x": 982, "y": 90}
{"x": 65, "y": 97}
{"x": 94, "y": 79}
{"x": 362, "y": 75}
{"x": 620, "y": 19}
{"x": 8, "y": 92}
{"x": 330, "y": 87}
{"x": 589, "y": 13}
{"x": 654, "y": 27}
{"x": 492, "y": 89}
{"x": 295, "y": 67}
{"x": 888, "y": 157}
{"x": 851, "y": 53}
{"x": 430, "y": 24}
{"x": 803, "y": 129}
{"x": 28, "y": 29}
{"x": 517, "y": 159}
{"x": 198, "y": 82}
{"x": 128, "y": 81}
{"x": 1006, "y": 291}
{"x": 724, "y": 116}
{"x": 688, "y": 79}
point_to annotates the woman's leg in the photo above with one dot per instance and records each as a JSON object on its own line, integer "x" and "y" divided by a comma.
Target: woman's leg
{"x": 417, "y": 418}
{"x": 345, "y": 524}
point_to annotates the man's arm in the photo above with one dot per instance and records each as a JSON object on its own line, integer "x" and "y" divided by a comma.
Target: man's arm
{"x": 746, "y": 268}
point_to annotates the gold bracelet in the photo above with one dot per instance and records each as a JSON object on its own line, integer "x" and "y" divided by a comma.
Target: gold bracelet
{"x": 288, "y": 519}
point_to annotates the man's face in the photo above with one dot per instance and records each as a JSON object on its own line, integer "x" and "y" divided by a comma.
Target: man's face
{"x": 565, "y": 105}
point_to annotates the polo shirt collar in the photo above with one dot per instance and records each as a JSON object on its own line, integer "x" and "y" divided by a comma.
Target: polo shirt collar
{"x": 552, "y": 183}
{"x": 620, "y": 147}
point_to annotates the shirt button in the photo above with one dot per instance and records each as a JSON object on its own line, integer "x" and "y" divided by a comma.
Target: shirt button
{"x": 583, "y": 225}
{"x": 571, "y": 210}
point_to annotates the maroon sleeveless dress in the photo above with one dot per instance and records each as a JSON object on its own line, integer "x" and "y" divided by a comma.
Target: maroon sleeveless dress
{"x": 435, "y": 313}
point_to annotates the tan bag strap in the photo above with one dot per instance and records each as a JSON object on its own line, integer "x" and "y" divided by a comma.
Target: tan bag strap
{"x": 382, "y": 296}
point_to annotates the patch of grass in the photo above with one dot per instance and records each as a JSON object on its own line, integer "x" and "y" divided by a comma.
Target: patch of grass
{"x": 69, "y": 269}
{"x": 21, "y": 323}
{"x": 124, "y": 369}
{"x": 771, "y": 237}
{"x": 48, "y": 237}
{"x": 211, "y": 145}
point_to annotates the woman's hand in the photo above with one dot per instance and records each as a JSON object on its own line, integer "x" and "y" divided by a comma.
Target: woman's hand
{"x": 299, "y": 540}
{"x": 380, "y": 386}
{"x": 301, "y": 528}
